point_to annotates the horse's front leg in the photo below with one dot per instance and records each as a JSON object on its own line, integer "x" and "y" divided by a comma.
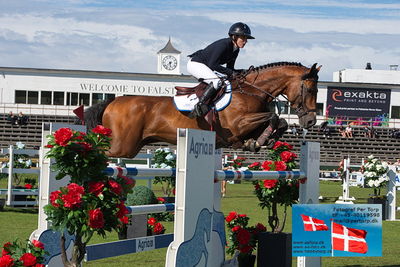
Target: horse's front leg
{"x": 253, "y": 125}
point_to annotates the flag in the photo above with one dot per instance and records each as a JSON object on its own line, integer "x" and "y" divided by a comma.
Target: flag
{"x": 349, "y": 239}
{"x": 312, "y": 224}
{"x": 79, "y": 112}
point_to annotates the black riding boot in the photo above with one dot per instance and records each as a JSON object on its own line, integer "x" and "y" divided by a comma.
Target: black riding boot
{"x": 201, "y": 108}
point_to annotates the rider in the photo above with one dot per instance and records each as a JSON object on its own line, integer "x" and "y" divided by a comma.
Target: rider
{"x": 204, "y": 62}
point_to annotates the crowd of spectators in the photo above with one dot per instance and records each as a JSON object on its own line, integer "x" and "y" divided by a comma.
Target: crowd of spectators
{"x": 17, "y": 120}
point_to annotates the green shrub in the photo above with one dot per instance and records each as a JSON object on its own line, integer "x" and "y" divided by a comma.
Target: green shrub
{"x": 141, "y": 195}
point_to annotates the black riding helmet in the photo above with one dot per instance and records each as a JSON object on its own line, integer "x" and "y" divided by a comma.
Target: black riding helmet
{"x": 240, "y": 28}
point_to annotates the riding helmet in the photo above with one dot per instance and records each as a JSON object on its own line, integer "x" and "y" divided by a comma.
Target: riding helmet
{"x": 240, "y": 28}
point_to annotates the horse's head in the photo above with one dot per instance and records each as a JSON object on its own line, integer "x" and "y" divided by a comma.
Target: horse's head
{"x": 302, "y": 94}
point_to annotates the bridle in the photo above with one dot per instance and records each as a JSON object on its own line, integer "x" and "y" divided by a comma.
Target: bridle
{"x": 301, "y": 110}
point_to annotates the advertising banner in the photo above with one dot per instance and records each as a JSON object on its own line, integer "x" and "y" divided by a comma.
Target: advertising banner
{"x": 337, "y": 230}
{"x": 357, "y": 102}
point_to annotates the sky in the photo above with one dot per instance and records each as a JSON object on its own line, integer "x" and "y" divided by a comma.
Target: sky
{"x": 125, "y": 35}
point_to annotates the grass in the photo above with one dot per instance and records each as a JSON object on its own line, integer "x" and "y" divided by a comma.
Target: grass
{"x": 19, "y": 223}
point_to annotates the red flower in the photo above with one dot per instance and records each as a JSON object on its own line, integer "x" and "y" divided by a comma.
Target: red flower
{"x": 260, "y": 227}
{"x": 115, "y": 187}
{"x": 38, "y": 244}
{"x": 53, "y": 197}
{"x": 4, "y": 252}
{"x": 231, "y": 216}
{"x": 280, "y": 166}
{"x": 122, "y": 210}
{"x": 28, "y": 259}
{"x": 152, "y": 221}
{"x": 160, "y": 199}
{"x": 266, "y": 165}
{"x": 243, "y": 236}
{"x": 236, "y": 228}
{"x": 62, "y": 136}
{"x": 128, "y": 181}
{"x": 71, "y": 200}
{"x": 75, "y": 188}
{"x": 28, "y": 186}
{"x": 255, "y": 165}
{"x": 278, "y": 144}
{"x": 96, "y": 218}
{"x": 270, "y": 183}
{"x": 124, "y": 219}
{"x": 173, "y": 191}
{"x": 100, "y": 129}
{"x": 6, "y": 261}
{"x": 48, "y": 146}
{"x": 242, "y": 215}
{"x": 158, "y": 229}
{"x": 96, "y": 188}
{"x": 40, "y": 265}
{"x": 287, "y": 156}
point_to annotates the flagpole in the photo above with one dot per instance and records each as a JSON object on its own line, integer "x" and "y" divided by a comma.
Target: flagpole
{"x": 331, "y": 237}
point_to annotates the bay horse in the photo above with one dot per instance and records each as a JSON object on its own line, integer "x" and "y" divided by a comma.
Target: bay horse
{"x": 136, "y": 121}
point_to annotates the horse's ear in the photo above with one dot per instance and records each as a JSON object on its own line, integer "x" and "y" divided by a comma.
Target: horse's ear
{"x": 314, "y": 70}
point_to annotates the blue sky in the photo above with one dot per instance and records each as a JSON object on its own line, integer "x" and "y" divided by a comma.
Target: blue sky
{"x": 126, "y": 35}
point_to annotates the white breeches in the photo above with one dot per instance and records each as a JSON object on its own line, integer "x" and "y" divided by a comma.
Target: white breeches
{"x": 200, "y": 70}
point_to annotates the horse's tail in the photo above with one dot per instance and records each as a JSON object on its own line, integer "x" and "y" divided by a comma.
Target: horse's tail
{"x": 94, "y": 114}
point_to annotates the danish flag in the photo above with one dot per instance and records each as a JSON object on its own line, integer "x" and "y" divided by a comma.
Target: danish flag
{"x": 312, "y": 224}
{"x": 348, "y": 239}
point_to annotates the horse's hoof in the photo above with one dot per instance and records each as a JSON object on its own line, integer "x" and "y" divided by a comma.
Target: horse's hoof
{"x": 251, "y": 145}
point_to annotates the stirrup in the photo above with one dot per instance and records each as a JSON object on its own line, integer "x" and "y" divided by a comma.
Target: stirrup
{"x": 199, "y": 110}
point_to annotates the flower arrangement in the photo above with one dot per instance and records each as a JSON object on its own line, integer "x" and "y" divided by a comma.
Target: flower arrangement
{"x": 242, "y": 238}
{"x": 164, "y": 158}
{"x": 19, "y": 254}
{"x": 272, "y": 193}
{"x": 92, "y": 202}
{"x": 234, "y": 163}
{"x": 154, "y": 227}
{"x": 375, "y": 173}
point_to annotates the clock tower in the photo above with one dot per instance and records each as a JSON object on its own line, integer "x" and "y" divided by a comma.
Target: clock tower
{"x": 169, "y": 60}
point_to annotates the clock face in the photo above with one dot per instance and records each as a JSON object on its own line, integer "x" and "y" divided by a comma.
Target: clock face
{"x": 169, "y": 62}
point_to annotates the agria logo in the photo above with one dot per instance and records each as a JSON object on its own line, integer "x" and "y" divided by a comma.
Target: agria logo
{"x": 336, "y": 94}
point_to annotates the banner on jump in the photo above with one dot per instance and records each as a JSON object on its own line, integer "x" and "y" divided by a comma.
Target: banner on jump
{"x": 337, "y": 230}
{"x": 357, "y": 102}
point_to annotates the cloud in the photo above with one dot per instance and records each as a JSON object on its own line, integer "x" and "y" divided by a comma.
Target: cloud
{"x": 126, "y": 35}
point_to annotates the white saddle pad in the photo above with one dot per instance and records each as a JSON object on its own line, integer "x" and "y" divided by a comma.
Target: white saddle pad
{"x": 187, "y": 102}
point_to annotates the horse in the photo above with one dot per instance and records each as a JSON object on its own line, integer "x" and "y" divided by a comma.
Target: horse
{"x": 246, "y": 123}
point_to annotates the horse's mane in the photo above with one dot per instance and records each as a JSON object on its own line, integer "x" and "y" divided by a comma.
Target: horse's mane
{"x": 278, "y": 64}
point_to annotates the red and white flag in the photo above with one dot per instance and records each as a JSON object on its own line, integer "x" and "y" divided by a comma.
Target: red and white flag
{"x": 312, "y": 224}
{"x": 348, "y": 239}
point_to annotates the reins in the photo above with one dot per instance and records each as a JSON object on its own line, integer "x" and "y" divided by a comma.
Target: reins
{"x": 241, "y": 79}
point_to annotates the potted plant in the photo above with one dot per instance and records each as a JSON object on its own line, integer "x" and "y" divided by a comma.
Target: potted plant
{"x": 375, "y": 176}
{"x": 164, "y": 158}
{"x": 276, "y": 245}
{"x": 154, "y": 227}
{"x": 242, "y": 238}
{"x": 92, "y": 203}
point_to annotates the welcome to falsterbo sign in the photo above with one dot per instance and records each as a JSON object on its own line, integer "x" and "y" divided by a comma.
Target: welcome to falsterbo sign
{"x": 357, "y": 102}
{"x": 159, "y": 89}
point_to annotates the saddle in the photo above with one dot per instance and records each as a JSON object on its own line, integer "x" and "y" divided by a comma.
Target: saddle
{"x": 198, "y": 90}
